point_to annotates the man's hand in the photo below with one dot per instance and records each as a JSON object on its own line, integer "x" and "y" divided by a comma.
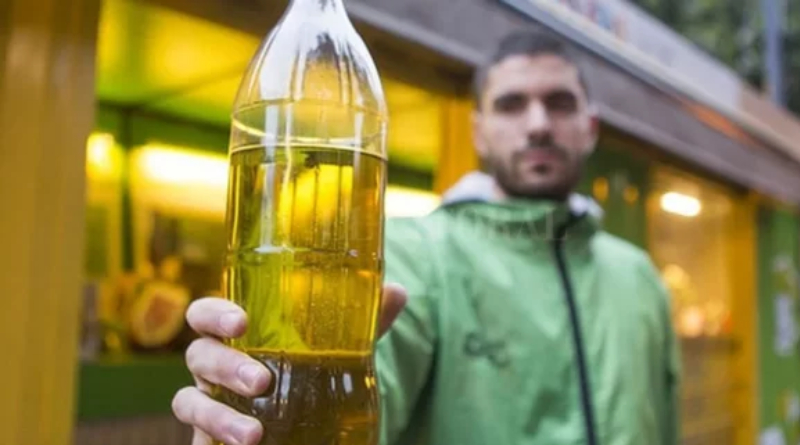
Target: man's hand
{"x": 212, "y": 363}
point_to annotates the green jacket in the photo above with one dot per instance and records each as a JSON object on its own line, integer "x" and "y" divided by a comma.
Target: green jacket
{"x": 485, "y": 352}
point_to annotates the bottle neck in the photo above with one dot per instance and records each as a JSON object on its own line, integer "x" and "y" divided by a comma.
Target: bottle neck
{"x": 316, "y": 7}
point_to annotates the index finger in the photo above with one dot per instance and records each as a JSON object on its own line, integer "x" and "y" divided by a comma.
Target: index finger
{"x": 217, "y": 317}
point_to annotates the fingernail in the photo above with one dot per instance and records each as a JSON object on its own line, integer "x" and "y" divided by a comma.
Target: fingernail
{"x": 242, "y": 430}
{"x": 250, "y": 374}
{"x": 229, "y": 322}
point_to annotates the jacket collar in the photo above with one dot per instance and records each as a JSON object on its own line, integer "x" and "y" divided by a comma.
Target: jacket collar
{"x": 473, "y": 197}
{"x": 477, "y": 186}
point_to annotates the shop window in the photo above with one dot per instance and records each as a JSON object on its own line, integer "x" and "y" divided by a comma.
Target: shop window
{"x": 690, "y": 235}
{"x": 695, "y": 233}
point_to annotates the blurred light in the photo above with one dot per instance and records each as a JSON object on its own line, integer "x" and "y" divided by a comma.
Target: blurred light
{"x": 600, "y": 189}
{"x": 186, "y": 178}
{"x": 180, "y": 180}
{"x": 407, "y": 202}
{"x": 631, "y": 194}
{"x": 680, "y": 204}
{"x": 99, "y": 157}
{"x": 676, "y": 277}
{"x": 173, "y": 166}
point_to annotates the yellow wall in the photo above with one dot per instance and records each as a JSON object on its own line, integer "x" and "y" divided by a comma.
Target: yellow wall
{"x": 457, "y": 155}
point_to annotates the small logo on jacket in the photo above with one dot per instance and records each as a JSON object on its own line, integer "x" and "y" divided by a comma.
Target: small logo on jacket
{"x": 478, "y": 345}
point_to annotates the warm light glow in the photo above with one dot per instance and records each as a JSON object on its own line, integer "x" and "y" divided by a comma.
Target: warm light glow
{"x": 600, "y": 189}
{"x": 401, "y": 201}
{"x": 631, "y": 194}
{"x": 181, "y": 178}
{"x": 172, "y": 166}
{"x": 99, "y": 156}
{"x": 680, "y": 204}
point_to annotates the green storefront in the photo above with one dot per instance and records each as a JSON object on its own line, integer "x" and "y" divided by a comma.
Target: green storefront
{"x": 778, "y": 313}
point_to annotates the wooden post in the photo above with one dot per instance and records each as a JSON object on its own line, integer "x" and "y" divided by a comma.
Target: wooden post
{"x": 743, "y": 263}
{"x": 47, "y": 63}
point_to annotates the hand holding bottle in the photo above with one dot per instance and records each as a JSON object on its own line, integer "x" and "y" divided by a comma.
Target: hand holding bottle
{"x": 213, "y": 363}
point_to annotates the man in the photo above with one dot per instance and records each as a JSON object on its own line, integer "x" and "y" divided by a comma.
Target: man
{"x": 524, "y": 321}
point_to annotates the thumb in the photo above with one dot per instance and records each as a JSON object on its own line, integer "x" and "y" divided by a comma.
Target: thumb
{"x": 392, "y": 303}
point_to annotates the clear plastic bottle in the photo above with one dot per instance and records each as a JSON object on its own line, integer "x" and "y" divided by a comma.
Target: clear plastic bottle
{"x": 305, "y": 227}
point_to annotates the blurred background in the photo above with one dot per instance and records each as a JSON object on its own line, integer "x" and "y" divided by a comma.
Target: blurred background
{"x": 699, "y": 163}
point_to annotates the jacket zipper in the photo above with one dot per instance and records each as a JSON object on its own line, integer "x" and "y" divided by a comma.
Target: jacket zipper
{"x": 577, "y": 337}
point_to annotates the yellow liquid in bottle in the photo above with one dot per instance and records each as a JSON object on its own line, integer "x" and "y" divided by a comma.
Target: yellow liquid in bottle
{"x": 305, "y": 261}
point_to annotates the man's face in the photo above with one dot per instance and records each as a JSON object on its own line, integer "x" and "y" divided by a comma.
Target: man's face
{"x": 534, "y": 128}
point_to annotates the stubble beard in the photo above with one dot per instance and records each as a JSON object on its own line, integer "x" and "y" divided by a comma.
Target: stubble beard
{"x": 508, "y": 179}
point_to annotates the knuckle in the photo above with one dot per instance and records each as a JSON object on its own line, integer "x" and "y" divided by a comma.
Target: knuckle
{"x": 194, "y": 313}
{"x": 213, "y": 418}
{"x": 190, "y": 356}
{"x": 195, "y": 353}
{"x": 253, "y": 436}
{"x": 181, "y": 404}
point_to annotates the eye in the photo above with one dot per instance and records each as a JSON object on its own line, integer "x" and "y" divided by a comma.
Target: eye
{"x": 563, "y": 102}
{"x": 510, "y": 103}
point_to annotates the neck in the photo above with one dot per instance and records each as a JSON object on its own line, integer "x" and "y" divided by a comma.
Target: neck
{"x": 501, "y": 195}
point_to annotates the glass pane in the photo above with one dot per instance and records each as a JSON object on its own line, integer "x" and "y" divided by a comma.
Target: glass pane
{"x": 692, "y": 240}
{"x": 690, "y": 230}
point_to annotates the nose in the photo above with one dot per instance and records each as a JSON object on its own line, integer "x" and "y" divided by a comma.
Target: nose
{"x": 537, "y": 119}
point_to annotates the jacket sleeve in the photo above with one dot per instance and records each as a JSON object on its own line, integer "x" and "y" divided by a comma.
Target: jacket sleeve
{"x": 672, "y": 368}
{"x": 405, "y": 353}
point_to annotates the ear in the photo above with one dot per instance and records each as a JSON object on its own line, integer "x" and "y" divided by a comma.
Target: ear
{"x": 594, "y": 129}
{"x": 477, "y": 133}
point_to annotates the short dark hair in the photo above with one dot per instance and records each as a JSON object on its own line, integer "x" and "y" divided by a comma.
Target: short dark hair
{"x": 530, "y": 43}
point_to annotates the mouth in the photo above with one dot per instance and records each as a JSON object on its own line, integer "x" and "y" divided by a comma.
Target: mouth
{"x": 542, "y": 169}
{"x": 539, "y": 160}
{"x": 538, "y": 156}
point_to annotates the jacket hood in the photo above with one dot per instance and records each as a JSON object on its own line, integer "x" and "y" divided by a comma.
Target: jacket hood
{"x": 479, "y": 187}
